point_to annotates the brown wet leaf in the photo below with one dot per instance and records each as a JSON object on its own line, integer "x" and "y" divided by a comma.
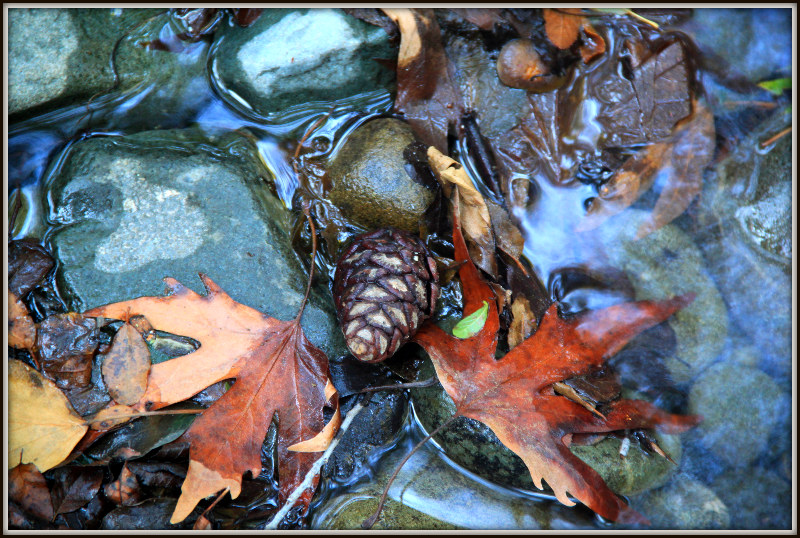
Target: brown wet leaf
{"x": 42, "y": 426}
{"x": 125, "y": 490}
{"x": 562, "y": 26}
{"x": 28, "y": 264}
{"x": 74, "y": 487}
{"x": 677, "y": 164}
{"x": 261, "y": 353}
{"x": 593, "y": 44}
{"x": 126, "y": 366}
{"x": 244, "y": 17}
{"x": 28, "y": 488}
{"x": 202, "y": 524}
{"x": 426, "y": 94}
{"x": 21, "y": 329}
{"x": 67, "y": 343}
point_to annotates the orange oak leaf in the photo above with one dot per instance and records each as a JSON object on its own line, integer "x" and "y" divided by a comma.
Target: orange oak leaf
{"x": 278, "y": 371}
{"x": 514, "y": 396}
{"x": 562, "y": 26}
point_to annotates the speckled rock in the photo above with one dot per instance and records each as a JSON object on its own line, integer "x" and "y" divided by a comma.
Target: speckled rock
{"x": 740, "y": 407}
{"x": 756, "y": 500}
{"x": 132, "y": 210}
{"x": 474, "y": 446}
{"x": 62, "y": 56}
{"x": 369, "y": 181}
{"x": 684, "y": 503}
{"x": 667, "y": 263}
{"x": 292, "y": 56}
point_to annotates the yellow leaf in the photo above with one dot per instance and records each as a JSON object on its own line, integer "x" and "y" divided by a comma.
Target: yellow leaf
{"x": 42, "y": 426}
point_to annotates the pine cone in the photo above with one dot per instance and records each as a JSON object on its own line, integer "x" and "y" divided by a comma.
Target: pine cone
{"x": 385, "y": 286}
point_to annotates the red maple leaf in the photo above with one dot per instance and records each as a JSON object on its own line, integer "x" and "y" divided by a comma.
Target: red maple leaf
{"x": 514, "y": 395}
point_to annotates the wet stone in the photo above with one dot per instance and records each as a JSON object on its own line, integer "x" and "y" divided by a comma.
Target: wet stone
{"x": 740, "y": 407}
{"x": 475, "y": 447}
{"x": 293, "y": 56}
{"x": 684, "y": 504}
{"x": 667, "y": 263}
{"x": 765, "y": 502}
{"x": 57, "y": 56}
{"x": 133, "y": 210}
{"x": 369, "y": 180}
{"x": 374, "y": 427}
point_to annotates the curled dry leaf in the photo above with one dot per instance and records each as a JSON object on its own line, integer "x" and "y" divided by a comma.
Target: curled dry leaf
{"x": 42, "y": 426}
{"x": 676, "y": 163}
{"x": 473, "y": 211}
{"x": 21, "y": 329}
{"x": 562, "y": 26}
{"x": 541, "y": 431}
{"x": 28, "y": 488}
{"x": 126, "y": 366}
{"x": 277, "y": 371}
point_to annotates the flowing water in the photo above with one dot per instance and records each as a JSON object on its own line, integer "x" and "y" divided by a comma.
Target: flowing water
{"x": 691, "y": 254}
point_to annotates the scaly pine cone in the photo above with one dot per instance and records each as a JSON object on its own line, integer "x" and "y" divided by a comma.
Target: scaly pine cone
{"x": 385, "y": 286}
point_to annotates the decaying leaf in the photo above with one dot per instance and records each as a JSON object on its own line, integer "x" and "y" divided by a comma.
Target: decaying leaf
{"x": 21, "y": 329}
{"x": 426, "y": 94}
{"x": 277, "y": 371}
{"x": 28, "y": 488}
{"x": 562, "y": 26}
{"x": 28, "y": 264}
{"x": 67, "y": 343}
{"x": 676, "y": 164}
{"x": 473, "y": 210}
{"x": 107, "y": 418}
{"x": 541, "y": 431}
{"x": 523, "y": 322}
{"x": 42, "y": 426}
{"x": 593, "y": 44}
{"x": 74, "y": 487}
{"x": 125, "y": 490}
{"x": 126, "y": 366}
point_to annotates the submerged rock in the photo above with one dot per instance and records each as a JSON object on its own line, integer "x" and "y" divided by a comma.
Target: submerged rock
{"x": 740, "y": 407}
{"x": 369, "y": 180}
{"x": 132, "y": 210}
{"x": 765, "y": 502}
{"x": 292, "y": 56}
{"x": 684, "y": 504}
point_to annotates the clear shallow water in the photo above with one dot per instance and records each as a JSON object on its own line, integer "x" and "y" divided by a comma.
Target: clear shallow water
{"x": 37, "y": 145}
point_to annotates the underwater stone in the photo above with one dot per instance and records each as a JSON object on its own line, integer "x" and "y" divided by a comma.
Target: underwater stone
{"x": 292, "y": 56}
{"x": 135, "y": 209}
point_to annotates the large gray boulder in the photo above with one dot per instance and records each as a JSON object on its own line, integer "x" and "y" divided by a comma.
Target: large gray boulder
{"x": 132, "y": 210}
{"x": 293, "y": 56}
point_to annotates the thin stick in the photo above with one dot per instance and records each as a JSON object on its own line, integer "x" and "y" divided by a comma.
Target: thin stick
{"x": 315, "y": 469}
{"x": 370, "y": 521}
{"x": 218, "y": 499}
{"x": 307, "y": 213}
{"x": 775, "y": 138}
{"x": 414, "y": 384}
{"x": 305, "y": 137}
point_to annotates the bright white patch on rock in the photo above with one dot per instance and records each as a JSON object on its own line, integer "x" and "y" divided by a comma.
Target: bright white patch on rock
{"x": 156, "y": 223}
{"x": 294, "y": 40}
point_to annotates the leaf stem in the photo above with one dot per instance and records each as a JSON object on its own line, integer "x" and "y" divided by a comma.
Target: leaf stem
{"x": 315, "y": 469}
{"x": 399, "y": 386}
{"x": 776, "y": 137}
{"x": 307, "y": 213}
{"x": 370, "y": 521}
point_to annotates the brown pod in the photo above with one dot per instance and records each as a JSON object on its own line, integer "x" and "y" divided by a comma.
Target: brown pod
{"x": 520, "y": 66}
{"x": 385, "y": 286}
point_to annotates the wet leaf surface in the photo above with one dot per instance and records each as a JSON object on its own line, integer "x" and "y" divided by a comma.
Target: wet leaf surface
{"x": 28, "y": 488}
{"x": 562, "y": 26}
{"x": 226, "y": 439}
{"x": 126, "y": 366}
{"x": 67, "y": 344}
{"x": 489, "y": 390}
{"x": 42, "y": 426}
{"x": 125, "y": 490}
{"x": 28, "y": 264}
{"x": 74, "y": 487}
{"x": 21, "y": 329}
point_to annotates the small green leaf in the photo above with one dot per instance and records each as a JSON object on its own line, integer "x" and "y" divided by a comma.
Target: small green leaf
{"x": 472, "y": 324}
{"x": 776, "y": 86}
